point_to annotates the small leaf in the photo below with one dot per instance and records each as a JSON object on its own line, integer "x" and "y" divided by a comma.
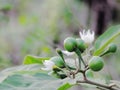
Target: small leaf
{"x": 34, "y": 59}
{"x": 106, "y": 38}
{"x": 65, "y": 86}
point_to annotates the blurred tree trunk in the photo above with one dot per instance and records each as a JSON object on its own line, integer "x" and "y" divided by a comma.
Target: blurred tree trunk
{"x": 103, "y": 11}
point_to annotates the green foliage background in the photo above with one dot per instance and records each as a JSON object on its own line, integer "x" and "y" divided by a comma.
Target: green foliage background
{"x": 37, "y": 27}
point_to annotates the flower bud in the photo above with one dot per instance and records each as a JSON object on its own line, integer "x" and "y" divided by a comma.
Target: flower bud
{"x": 81, "y": 44}
{"x": 70, "y": 44}
{"x": 58, "y": 61}
{"x": 59, "y": 51}
{"x": 112, "y": 48}
{"x": 96, "y": 63}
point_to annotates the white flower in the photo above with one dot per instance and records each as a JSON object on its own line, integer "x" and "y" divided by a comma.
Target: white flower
{"x": 48, "y": 65}
{"x": 68, "y": 53}
{"x": 87, "y": 36}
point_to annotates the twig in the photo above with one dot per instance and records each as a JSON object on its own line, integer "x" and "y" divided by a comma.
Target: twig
{"x": 94, "y": 83}
{"x": 78, "y": 52}
{"x": 97, "y": 84}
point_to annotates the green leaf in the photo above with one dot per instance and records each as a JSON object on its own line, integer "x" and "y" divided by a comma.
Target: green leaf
{"x": 65, "y": 86}
{"x": 37, "y": 80}
{"x": 23, "y": 69}
{"x": 6, "y": 87}
{"x": 12, "y": 79}
{"x": 106, "y": 38}
{"x": 40, "y": 81}
{"x": 34, "y": 59}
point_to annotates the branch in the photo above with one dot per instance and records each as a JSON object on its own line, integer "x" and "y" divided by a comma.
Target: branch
{"x": 94, "y": 83}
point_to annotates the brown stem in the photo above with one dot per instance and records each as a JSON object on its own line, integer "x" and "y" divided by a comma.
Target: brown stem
{"x": 94, "y": 83}
{"x": 97, "y": 84}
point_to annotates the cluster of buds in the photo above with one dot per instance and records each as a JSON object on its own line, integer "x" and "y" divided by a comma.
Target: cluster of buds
{"x": 77, "y": 46}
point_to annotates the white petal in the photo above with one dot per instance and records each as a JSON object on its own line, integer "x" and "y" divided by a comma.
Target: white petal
{"x": 68, "y": 53}
{"x": 82, "y": 36}
{"x": 48, "y": 65}
{"x": 48, "y": 62}
{"x": 87, "y": 36}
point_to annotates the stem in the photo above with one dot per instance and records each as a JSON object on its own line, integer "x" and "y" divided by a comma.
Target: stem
{"x": 61, "y": 55}
{"x": 80, "y": 58}
{"x": 65, "y": 64}
{"x": 68, "y": 75}
{"x": 97, "y": 84}
{"x": 94, "y": 83}
{"x": 104, "y": 53}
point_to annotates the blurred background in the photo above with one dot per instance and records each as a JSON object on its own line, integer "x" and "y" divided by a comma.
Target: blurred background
{"x": 37, "y": 27}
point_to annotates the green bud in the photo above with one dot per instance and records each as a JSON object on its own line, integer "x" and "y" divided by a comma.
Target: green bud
{"x": 58, "y": 61}
{"x": 96, "y": 63}
{"x": 59, "y": 51}
{"x": 81, "y": 44}
{"x": 70, "y": 44}
{"x": 112, "y": 48}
